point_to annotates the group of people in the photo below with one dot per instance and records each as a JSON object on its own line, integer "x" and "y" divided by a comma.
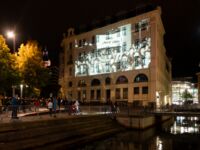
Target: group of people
{"x": 71, "y": 107}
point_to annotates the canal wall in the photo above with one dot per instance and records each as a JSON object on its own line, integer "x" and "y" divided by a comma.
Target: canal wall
{"x": 57, "y": 133}
{"x": 141, "y": 121}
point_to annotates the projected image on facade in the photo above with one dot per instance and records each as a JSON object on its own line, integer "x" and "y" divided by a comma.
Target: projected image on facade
{"x": 115, "y": 51}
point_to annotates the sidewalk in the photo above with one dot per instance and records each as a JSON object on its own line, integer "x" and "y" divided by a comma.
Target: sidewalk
{"x": 42, "y": 114}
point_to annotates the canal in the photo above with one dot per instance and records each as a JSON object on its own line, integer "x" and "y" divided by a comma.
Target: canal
{"x": 180, "y": 133}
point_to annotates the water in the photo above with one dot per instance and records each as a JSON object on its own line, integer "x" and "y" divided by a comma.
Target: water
{"x": 182, "y": 133}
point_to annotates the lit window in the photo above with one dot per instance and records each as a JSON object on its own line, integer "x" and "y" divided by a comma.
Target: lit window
{"x": 141, "y": 78}
{"x": 125, "y": 93}
{"x": 117, "y": 93}
{"x": 124, "y": 46}
{"x": 124, "y": 31}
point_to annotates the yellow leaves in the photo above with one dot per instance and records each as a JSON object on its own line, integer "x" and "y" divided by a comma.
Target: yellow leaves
{"x": 28, "y": 52}
{"x": 3, "y": 45}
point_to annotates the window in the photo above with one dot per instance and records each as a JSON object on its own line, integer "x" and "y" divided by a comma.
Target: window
{"x": 121, "y": 80}
{"x": 118, "y": 65}
{"x": 125, "y": 93}
{"x": 124, "y": 31}
{"x": 136, "y": 90}
{"x": 136, "y": 27}
{"x": 79, "y": 43}
{"x": 107, "y": 36}
{"x": 95, "y": 82}
{"x": 93, "y": 40}
{"x": 117, "y": 93}
{"x": 118, "y": 33}
{"x": 108, "y": 51}
{"x": 82, "y": 83}
{"x": 137, "y": 61}
{"x": 124, "y": 46}
{"x": 84, "y": 41}
{"x": 84, "y": 95}
{"x": 137, "y": 43}
{"x": 141, "y": 78}
{"x": 70, "y": 84}
{"x": 107, "y": 81}
{"x": 107, "y": 67}
{"x": 98, "y": 94}
{"x": 92, "y": 94}
{"x": 79, "y": 95}
{"x": 118, "y": 49}
{"x": 145, "y": 90}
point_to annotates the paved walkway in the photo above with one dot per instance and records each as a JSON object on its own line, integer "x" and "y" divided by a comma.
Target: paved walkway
{"x": 31, "y": 116}
{"x": 42, "y": 114}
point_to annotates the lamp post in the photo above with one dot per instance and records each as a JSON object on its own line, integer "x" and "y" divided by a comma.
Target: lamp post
{"x": 11, "y": 35}
{"x": 21, "y": 90}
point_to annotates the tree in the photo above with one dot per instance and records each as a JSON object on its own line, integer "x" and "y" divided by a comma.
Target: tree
{"x": 187, "y": 96}
{"x": 8, "y": 74}
{"x": 30, "y": 65}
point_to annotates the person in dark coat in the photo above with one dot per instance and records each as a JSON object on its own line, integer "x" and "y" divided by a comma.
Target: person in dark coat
{"x": 14, "y": 107}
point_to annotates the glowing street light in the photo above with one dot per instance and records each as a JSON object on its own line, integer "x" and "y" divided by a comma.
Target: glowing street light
{"x": 21, "y": 90}
{"x": 11, "y": 35}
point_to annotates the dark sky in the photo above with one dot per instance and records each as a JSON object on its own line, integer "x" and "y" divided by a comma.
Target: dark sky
{"x": 46, "y": 20}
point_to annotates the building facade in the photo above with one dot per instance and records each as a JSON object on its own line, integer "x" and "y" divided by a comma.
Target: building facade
{"x": 121, "y": 61}
{"x": 183, "y": 91}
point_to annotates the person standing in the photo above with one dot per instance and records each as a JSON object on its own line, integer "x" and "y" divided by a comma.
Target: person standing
{"x": 14, "y": 108}
{"x": 50, "y": 107}
{"x": 54, "y": 106}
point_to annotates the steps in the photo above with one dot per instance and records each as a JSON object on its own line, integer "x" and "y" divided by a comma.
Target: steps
{"x": 56, "y": 134}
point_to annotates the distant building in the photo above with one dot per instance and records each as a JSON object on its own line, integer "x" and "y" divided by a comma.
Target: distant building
{"x": 182, "y": 86}
{"x": 45, "y": 57}
{"x": 123, "y": 60}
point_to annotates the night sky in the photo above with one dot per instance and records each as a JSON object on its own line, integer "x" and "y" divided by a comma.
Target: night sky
{"x": 47, "y": 20}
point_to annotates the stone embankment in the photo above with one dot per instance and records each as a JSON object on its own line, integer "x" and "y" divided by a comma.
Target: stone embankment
{"x": 58, "y": 133}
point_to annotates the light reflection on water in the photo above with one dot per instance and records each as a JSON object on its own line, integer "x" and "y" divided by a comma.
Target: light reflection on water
{"x": 185, "y": 125}
{"x": 183, "y": 133}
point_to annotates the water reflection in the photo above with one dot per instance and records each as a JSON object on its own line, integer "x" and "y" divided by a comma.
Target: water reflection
{"x": 185, "y": 125}
{"x": 182, "y": 133}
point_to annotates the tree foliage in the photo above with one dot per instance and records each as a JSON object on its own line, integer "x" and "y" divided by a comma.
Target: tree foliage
{"x": 187, "y": 96}
{"x": 8, "y": 74}
{"x": 30, "y": 65}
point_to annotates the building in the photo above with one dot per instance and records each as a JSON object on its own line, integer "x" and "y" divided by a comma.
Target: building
{"x": 123, "y": 60}
{"x": 181, "y": 87}
{"x": 198, "y": 84}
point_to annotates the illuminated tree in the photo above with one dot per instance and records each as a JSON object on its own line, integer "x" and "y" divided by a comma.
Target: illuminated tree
{"x": 8, "y": 75}
{"x": 187, "y": 96}
{"x": 30, "y": 65}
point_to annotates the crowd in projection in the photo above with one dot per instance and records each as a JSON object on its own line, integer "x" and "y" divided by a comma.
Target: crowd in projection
{"x": 115, "y": 51}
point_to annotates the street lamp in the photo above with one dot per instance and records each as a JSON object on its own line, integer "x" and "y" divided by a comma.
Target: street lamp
{"x": 21, "y": 90}
{"x": 11, "y": 35}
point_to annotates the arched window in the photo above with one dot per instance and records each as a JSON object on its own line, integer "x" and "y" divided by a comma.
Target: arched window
{"x": 122, "y": 80}
{"x": 108, "y": 81}
{"x": 81, "y": 83}
{"x": 141, "y": 78}
{"x": 95, "y": 82}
